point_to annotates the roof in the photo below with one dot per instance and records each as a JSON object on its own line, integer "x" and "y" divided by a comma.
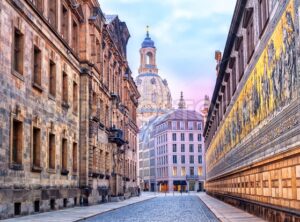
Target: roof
{"x": 181, "y": 114}
{"x": 237, "y": 17}
{"x": 110, "y": 18}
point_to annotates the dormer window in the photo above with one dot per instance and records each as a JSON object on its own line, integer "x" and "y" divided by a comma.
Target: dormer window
{"x": 263, "y": 8}
{"x": 249, "y": 26}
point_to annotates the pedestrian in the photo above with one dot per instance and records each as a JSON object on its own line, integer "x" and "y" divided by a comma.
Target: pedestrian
{"x": 139, "y": 191}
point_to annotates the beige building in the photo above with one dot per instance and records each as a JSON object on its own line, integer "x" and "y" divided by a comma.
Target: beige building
{"x": 67, "y": 108}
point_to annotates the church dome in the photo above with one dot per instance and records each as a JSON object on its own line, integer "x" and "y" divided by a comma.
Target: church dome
{"x": 148, "y": 42}
{"x": 155, "y": 94}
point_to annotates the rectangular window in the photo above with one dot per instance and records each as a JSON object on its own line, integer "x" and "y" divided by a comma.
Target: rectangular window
{"x": 199, "y": 148}
{"x": 174, "y": 148}
{"x": 75, "y": 97}
{"x": 241, "y": 58}
{"x": 174, "y": 159}
{"x": 52, "y": 78}
{"x": 64, "y": 154}
{"x": 233, "y": 78}
{"x": 183, "y": 159}
{"x": 51, "y": 151}
{"x": 200, "y": 159}
{"x": 182, "y": 137}
{"x": 191, "y": 148}
{"x": 191, "y": 159}
{"x": 228, "y": 91}
{"x": 98, "y": 54}
{"x": 64, "y": 22}
{"x": 65, "y": 88}
{"x": 199, "y": 137}
{"x": 192, "y": 172}
{"x": 75, "y": 164}
{"x": 174, "y": 125}
{"x": 174, "y": 136}
{"x": 191, "y": 137}
{"x": 36, "y": 147}
{"x": 75, "y": 37}
{"x": 263, "y": 14}
{"x": 190, "y": 125}
{"x": 174, "y": 171}
{"x": 18, "y": 51}
{"x": 52, "y": 13}
{"x": 181, "y": 125}
{"x": 37, "y": 66}
{"x": 250, "y": 38}
{"x": 182, "y": 148}
{"x": 200, "y": 171}
{"x": 183, "y": 173}
{"x": 17, "y": 142}
{"x": 199, "y": 126}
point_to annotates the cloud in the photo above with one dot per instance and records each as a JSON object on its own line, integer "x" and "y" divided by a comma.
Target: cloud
{"x": 186, "y": 34}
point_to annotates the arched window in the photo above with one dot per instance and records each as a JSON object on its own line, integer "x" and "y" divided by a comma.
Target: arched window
{"x": 149, "y": 58}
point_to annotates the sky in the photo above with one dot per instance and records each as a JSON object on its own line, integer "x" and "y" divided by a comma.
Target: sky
{"x": 186, "y": 33}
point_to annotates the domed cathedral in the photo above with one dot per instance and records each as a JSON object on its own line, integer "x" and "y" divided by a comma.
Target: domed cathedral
{"x": 155, "y": 97}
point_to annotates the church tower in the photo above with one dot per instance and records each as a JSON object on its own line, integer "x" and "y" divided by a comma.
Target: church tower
{"x": 155, "y": 97}
{"x": 148, "y": 56}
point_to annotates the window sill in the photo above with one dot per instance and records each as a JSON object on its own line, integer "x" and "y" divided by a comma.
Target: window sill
{"x": 52, "y": 171}
{"x": 52, "y": 97}
{"x": 16, "y": 166}
{"x": 18, "y": 75}
{"x": 37, "y": 86}
{"x": 36, "y": 169}
{"x": 65, "y": 105}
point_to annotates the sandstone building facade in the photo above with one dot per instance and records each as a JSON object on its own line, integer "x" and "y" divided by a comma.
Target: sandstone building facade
{"x": 67, "y": 109}
{"x": 252, "y": 132}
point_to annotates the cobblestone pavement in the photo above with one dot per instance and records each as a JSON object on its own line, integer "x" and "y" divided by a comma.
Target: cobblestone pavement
{"x": 160, "y": 209}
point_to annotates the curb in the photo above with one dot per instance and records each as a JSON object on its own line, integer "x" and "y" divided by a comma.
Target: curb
{"x": 113, "y": 209}
{"x": 209, "y": 208}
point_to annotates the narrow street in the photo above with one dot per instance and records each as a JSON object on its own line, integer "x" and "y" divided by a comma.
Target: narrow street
{"x": 178, "y": 208}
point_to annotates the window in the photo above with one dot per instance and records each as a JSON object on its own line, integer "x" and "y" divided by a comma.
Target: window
{"x": 64, "y": 22}
{"x": 240, "y": 49}
{"x": 52, "y": 13}
{"x": 94, "y": 163}
{"x": 182, "y": 137}
{"x": 37, "y": 66}
{"x": 192, "y": 172}
{"x": 174, "y": 136}
{"x": 75, "y": 97}
{"x": 174, "y": 148}
{"x": 174, "y": 125}
{"x": 17, "y": 142}
{"x": 98, "y": 54}
{"x": 183, "y": 172}
{"x": 233, "y": 76}
{"x": 200, "y": 159}
{"x": 199, "y": 148}
{"x": 52, "y": 78}
{"x": 228, "y": 91}
{"x": 200, "y": 171}
{"x": 75, "y": 37}
{"x": 36, "y": 147}
{"x": 191, "y": 137}
{"x": 64, "y": 154}
{"x": 199, "y": 126}
{"x": 51, "y": 151}
{"x": 75, "y": 164}
{"x": 18, "y": 51}
{"x": 191, "y": 148}
{"x": 65, "y": 88}
{"x": 174, "y": 171}
{"x": 199, "y": 137}
{"x": 263, "y": 14}
{"x": 174, "y": 159}
{"x": 249, "y": 32}
{"x": 192, "y": 159}
{"x": 38, "y": 4}
{"x": 181, "y": 125}
{"x": 183, "y": 159}
{"x": 182, "y": 148}
{"x": 190, "y": 125}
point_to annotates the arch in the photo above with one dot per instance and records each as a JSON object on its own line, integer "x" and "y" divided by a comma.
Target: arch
{"x": 149, "y": 58}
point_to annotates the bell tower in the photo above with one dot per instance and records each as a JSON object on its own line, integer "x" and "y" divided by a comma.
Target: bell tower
{"x": 148, "y": 56}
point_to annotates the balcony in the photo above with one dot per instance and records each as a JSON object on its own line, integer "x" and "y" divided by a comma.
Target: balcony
{"x": 116, "y": 136}
{"x": 192, "y": 177}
